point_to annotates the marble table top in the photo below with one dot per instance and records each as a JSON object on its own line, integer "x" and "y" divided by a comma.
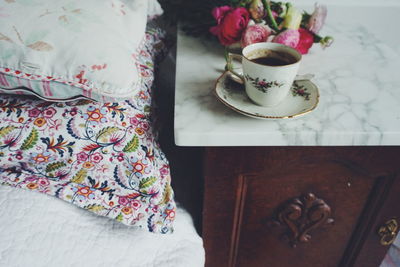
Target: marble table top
{"x": 358, "y": 78}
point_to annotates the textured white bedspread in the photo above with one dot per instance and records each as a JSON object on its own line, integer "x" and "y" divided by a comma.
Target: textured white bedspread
{"x": 39, "y": 230}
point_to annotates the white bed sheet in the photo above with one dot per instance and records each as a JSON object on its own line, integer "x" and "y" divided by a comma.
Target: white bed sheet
{"x": 39, "y": 230}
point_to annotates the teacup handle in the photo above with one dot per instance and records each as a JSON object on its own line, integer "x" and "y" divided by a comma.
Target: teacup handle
{"x": 237, "y": 77}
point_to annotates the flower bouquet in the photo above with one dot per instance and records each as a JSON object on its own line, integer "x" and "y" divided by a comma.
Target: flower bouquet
{"x": 256, "y": 21}
{"x": 243, "y": 22}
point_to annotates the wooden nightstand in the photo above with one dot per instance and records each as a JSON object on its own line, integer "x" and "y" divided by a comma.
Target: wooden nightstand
{"x": 319, "y": 190}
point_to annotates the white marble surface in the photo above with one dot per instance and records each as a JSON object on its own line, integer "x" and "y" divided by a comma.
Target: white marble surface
{"x": 358, "y": 78}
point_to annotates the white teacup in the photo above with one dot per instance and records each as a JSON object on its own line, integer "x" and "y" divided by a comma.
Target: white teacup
{"x": 267, "y": 81}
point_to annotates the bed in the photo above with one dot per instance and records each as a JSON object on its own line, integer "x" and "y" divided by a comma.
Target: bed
{"x": 99, "y": 153}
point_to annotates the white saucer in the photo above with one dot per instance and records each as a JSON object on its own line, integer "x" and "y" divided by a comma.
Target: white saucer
{"x": 303, "y": 98}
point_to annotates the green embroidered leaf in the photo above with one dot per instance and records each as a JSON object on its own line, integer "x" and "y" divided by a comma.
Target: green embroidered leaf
{"x": 80, "y": 176}
{"x": 132, "y": 145}
{"x": 107, "y": 131}
{"x": 31, "y": 140}
{"x": 147, "y": 182}
{"x": 6, "y": 130}
{"x": 167, "y": 195}
{"x": 94, "y": 207}
{"x": 119, "y": 217}
{"x": 54, "y": 166}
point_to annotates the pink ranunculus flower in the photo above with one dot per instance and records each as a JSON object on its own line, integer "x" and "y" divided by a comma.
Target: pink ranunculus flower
{"x": 49, "y": 112}
{"x": 317, "y": 18}
{"x": 33, "y": 113}
{"x": 230, "y": 24}
{"x": 288, "y": 37}
{"x": 255, "y": 34}
{"x": 306, "y": 41}
{"x": 220, "y": 12}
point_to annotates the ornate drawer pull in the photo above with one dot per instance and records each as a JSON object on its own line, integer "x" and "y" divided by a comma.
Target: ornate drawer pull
{"x": 301, "y": 215}
{"x": 388, "y": 232}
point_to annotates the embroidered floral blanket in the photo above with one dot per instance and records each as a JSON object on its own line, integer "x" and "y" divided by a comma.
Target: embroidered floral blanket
{"x": 102, "y": 157}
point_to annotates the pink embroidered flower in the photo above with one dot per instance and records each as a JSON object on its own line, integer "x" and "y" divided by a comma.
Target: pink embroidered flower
{"x": 33, "y": 113}
{"x": 43, "y": 182}
{"x": 120, "y": 157}
{"x": 306, "y": 41}
{"x": 18, "y": 155}
{"x": 164, "y": 171}
{"x": 145, "y": 126}
{"x": 136, "y": 204}
{"x": 96, "y": 157}
{"x": 288, "y": 37}
{"x": 49, "y": 112}
{"x": 230, "y": 24}
{"x": 134, "y": 121}
{"x": 317, "y": 19}
{"x": 82, "y": 156}
{"x": 255, "y": 34}
{"x": 56, "y": 124}
{"x": 123, "y": 201}
{"x": 73, "y": 111}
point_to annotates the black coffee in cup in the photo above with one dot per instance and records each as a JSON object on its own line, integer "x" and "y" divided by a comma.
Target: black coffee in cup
{"x": 274, "y": 58}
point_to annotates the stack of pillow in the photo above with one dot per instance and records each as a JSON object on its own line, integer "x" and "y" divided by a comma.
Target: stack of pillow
{"x": 100, "y": 152}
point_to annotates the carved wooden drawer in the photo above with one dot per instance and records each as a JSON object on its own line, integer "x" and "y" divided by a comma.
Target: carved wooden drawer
{"x": 299, "y": 206}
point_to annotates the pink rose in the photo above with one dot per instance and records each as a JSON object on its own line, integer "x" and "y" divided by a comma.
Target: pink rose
{"x": 288, "y": 37}
{"x": 255, "y": 34}
{"x": 317, "y": 18}
{"x": 230, "y": 24}
{"x": 96, "y": 157}
{"x": 34, "y": 113}
{"x": 49, "y": 112}
{"x": 82, "y": 156}
{"x": 306, "y": 41}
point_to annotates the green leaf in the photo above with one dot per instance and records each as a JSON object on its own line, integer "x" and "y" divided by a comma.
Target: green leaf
{"x": 80, "y": 176}
{"x": 94, "y": 207}
{"x": 31, "y": 140}
{"x": 132, "y": 146}
{"x": 167, "y": 195}
{"x": 144, "y": 183}
{"x": 54, "y": 166}
{"x": 6, "y": 130}
{"x": 107, "y": 131}
{"x": 119, "y": 217}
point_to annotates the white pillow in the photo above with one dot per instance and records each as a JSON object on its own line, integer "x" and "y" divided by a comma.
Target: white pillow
{"x": 90, "y": 46}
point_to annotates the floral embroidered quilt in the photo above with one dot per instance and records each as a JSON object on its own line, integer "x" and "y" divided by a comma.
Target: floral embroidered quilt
{"x": 102, "y": 157}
